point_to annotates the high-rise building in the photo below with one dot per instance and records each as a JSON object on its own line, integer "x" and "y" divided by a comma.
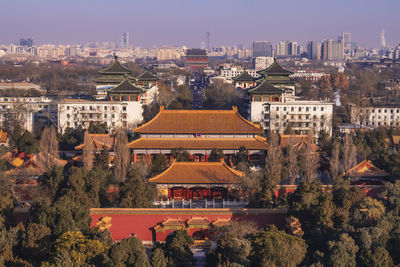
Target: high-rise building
{"x": 314, "y": 50}
{"x": 346, "y": 39}
{"x": 262, "y": 49}
{"x": 293, "y": 48}
{"x": 282, "y": 48}
{"x": 125, "y": 40}
{"x": 208, "y": 41}
{"x": 332, "y": 50}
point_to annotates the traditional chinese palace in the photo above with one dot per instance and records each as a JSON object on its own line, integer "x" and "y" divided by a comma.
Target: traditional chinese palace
{"x": 198, "y": 181}
{"x": 198, "y": 132}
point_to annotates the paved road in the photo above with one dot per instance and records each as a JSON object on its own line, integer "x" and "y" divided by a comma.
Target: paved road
{"x": 199, "y": 258}
{"x": 197, "y": 85}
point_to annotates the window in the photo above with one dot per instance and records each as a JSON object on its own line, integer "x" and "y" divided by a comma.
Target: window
{"x": 277, "y": 108}
{"x": 315, "y": 108}
{"x": 307, "y": 109}
{"x": 105, "y": 107}
{"x": 292, "y": 109}
{"x": 83, "y": 107}
{"x": 113, "y": 116}
{"x": 68, "y": 124}
{"x": 123, "y": 108}
{"x": 67, "y": 107}
{"x": 385, "y": 110}
{"x": 113, "y": 108}
{"x": 322, "y": 108}
{"x": 284, "y": 108}
{"x": 277, "y": 116}
{"x": 105, "y": 116}
{"x": 299, "y": 108}
{"x": 68, "y": 116}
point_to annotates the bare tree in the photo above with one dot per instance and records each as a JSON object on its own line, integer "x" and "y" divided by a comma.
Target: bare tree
{"x": 311, "y": 159}
{"x": 48, "y": 147}
{"x": 349, "y": 154}
{"x": 292, "y": 164}
{"x": 335, "y": 162}
{"x": 121, "y": 156}
{"x": 273, "y": 166}
{"x": 87, "y": 152}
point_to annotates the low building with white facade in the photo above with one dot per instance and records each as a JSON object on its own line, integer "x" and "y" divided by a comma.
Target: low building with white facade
{"x": 376, "y": 116}
{"x": 301, "y": 116}
{"x": 230, "y": 73}
{"x": 274, "y": 106}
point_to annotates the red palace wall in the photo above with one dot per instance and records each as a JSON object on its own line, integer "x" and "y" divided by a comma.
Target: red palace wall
{"x": 140, "y": 222}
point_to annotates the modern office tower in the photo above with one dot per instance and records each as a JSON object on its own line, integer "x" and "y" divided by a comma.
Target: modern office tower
{"x": 282, "y": 48}
{"x": 262, "y": 49}
{"x": 332, "y": 50}
{"x": 293, "y": 48}
{"x": 346, "y": 39}
{"x": 125, "y": 40}
{"x": 314, "y": 50}
{"x": 208, "y": 41}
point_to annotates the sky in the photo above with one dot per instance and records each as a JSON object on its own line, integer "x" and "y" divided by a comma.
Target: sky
{"x": 185, "y": 22}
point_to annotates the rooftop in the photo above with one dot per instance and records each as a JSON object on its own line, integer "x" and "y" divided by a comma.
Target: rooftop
{"x": 275, "y": 70}
{"x": 245, "y": 76}
{"x": 200, "y": 143}
{"x": 147, "y": 76}
{"x": 126, "y": 87}
{"x": 265, "y": 88}
{"x": 115, "y": 68}
{"x": 199, "y": 121}
{"x": 198, "y": 173}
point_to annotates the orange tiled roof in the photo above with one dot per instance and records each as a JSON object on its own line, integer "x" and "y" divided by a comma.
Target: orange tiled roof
{"x": 221, "y": 222}
{"x": 198, "y": 173}
{"x": 198, "y": 221}
{"x": 366, "y": 169}
{"x": 3, "y": 137}
{"x": 199, "y": 121}
{"x": 199, "y": 143}
{"x": 98, "y": 141}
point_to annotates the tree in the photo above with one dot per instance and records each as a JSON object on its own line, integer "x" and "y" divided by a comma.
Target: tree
{"x": 103, "y": 159}
{"x": 273, "y": 168}
{"x": 87, "y": 152}
{"x": 136, "y": 192}
{"x": 242, "y": 156}
{"x": 48, "y": 147}
{"x": 72, "y": 138}
{"x": 180, "y": 154}
{"x": 177, "y": 248}
{"x": 349, "y": 154}
{"x": 334, "y": 162}
{"x": 291, "y": 162}
{"x": 158, "y": 164}
{"x": 27, "y": 143}
{"x": 98, "y": 128}
{"x": 311, "y": 161}
{"x": 276, "y": 248}
{"x": 81, "y": 249}
{"x": 216, "y": 155}
{"x": 230, "y": 251}
{"x": 121, "y": 156}
{"x": 158, "y": 259}
{"x": 128, "y": 252}
{"x": 342, "y": 252}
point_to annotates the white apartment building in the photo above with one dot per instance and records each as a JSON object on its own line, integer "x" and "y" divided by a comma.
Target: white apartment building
{"x": 301, "y": 115}
{"x": 31, "y": 112}
{"x": 376, "y": 116}
{"x": 78, "y": 112}
{"x": 232, "y": 72}
{"x": 261, "y": 63}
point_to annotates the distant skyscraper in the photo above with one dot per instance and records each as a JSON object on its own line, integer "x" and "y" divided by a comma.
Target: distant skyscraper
{"x": 262, "y": 49}
{"x": 346, "y": 39}
{"x": 208, "y": 41}
{"x": 314, "y": 50}
{"x": 383, "y": 39}
{"x": 332, "y": 50}
{"x": 125, "y": 40}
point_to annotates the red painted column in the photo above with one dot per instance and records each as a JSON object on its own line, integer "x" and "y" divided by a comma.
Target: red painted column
{"x": 169, "y": 193}
{"x": 206, "y": 157}
{"x": 187, "y": 193}
{"x": 148, "y": 158}
{"x": 209, "y": 193}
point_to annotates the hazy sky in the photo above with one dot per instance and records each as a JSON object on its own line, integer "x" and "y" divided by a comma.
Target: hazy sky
{"x": 178, "y": 22}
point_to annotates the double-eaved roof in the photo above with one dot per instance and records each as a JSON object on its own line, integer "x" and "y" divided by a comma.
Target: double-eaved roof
{"x": 275, "y": 70}
{"x": 147, "y": 76}
{"x": 126, "y": 87}
{"x": 199, "y": 122}
{"x": 198, "y": 173}
{"x": 265, "y": 88}
{"x": 116, "y": 69}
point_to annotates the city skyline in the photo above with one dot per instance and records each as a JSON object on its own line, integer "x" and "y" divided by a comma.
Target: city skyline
{"x": 158, "y": 23}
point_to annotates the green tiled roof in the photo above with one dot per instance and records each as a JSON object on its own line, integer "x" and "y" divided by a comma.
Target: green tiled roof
{"x": 275, "y": 70}
{"x": 245, "y": 76}
{"x": 126, "y": 87}
{"x": 115, "y": 68}
{"x": 147, "y": 76}
{"x": 265, "y": 88}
